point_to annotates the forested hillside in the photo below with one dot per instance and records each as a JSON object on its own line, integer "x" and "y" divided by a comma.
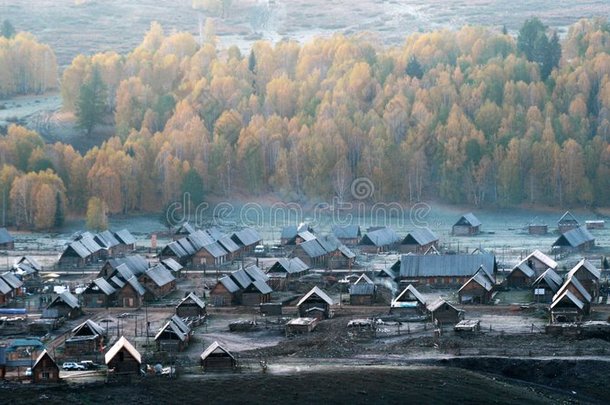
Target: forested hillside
{"x": 474, "y": 116}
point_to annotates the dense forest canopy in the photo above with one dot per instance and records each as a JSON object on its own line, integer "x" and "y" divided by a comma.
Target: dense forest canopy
{"x": 474, "y": 116}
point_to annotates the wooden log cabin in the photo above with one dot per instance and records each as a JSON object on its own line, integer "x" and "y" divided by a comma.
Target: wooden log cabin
{"x": 123, "y": 360}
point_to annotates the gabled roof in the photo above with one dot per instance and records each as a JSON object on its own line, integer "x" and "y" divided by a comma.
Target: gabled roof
{"x": 106, "y": 239}
{"x": 347, "y": 231}
{"x": 312, "y": 248}
{"x": 122, "y": 343}
{"x": 420, "y": 236}
{"x": 198, "y": 239}
{"x": 4, "y": 287}
{"x": 133, "y": 281}
{"x": 246, "y": 237}
{"x": 306, "y": 235}
{"x": 172, "y": 328}
{"x": 255, "y": 273}
{"x": 541, "y": 257}
{"x": 228, "y": 244}
{"x": 260, "y": 286}
{"x": 551, "y": 278}
{"x": 117, "y": 282}
{"x": 460, "y": 265}
{"x": 578, "y": 285}
{"x": 439, "y": 303}
{"x": 123, "y": 271}
{"x": 88, "y": 241}
{"x": 318, "y": 292}
{"x": 160, "y": 275}
{"x": 5, "y": 237}
{"x": 78, "y": 248}
{"x": 587, "y": 265}
{"x": 217, "y": 349}
{"x": 31, "y": 261}
{"x": 289, "y": 266}
{"x": 187, "y": 245}
{"x": 567, "y": 218}
{"x": 125, "y": 237}
{"x": 171, "y": 264}
{"x": 66, "y": 297}
{"x": 524, "y": 268}
{"x": 42, "y": 356}
{"x": 289, "y": 232}
{"x": 229, "y": 284}
{"x": 380, "y": 237}
{"x": 468, "y": 220}
{"x": 363, "y": 279}
{"x": 102, "y": 285}
{"x": 185, "y": 229}
{"x": 569, "y": 296}
{"x": 10, "y": 279}
{"x": 174, "y": 249}
{"x": 410, "y": 291}
{"x": 241, "y": 278}
{"x": 481, "y": 279}
{"x": 215, "y": 250}
{"x": 192, "y": 298}
{"x": 575, "y": 237}
{"x": 362, "y": 289}
{"x": 136, "y": 263}
{"x": 93, "y": 327}
{"x": 214, "y": 233}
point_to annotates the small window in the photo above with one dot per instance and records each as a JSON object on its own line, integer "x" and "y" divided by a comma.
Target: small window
{"x": 45, "y": 375}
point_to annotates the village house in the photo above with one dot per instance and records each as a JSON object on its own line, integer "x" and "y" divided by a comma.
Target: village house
{"x": 45, "y": 369}
{"x": 225, "y": 293}
{"x": 26, "y": 267}
{"x": 362, "y": 294}
{"x": 10, "y": 287}
{"x": 174, "y": 336}
{"x": 79, "y": 253}
{"x": 6, "y": 240}
{"x": 546, "y": 286}
{"x": 536, "y": 227}
{"x": 312, "y": 253}
{"x": 379, "y": 240}
{"x": 184, "y": 230}
{"x": 577, "y": 239}
{"x": 191, "y": 306}
{"x": 444, "y": 270}
{"x": 285, "y": 270}
{"x": 135, "y": 263}
{"x": 65, "y": 305}
{"x": 567, "y": 222}
{"x": 315, "y": 304}
{"x": 539, "y": 262}
{"x": 571, "y": 303}
{"x": 588, "y": 275}
{"x": 419, "y": 240}
{"x": 157, "y": 281}
{"x": 173, "y": 266}
{"x": 443, "y": 313}
{"x": 339, "y": 256}
{"x": 229, "y": 246}
{"x": 127, "y": 243}
{"x": 246, "y": 239}
{"x": 216, "y": 358}
{"x": 107, "y": 242}
{"x": 87, "y": 338}
{"x": 478, "y": 289}
{"x": 408, "y": 302}
{"x": 98, "y": 294}
{"x": 130, "y": 294}
{"x": 521, "y": 276}
{"x": 123, "y": 360}
{"x": 258, "y": 291}
{"x": 467, "y": 225}
{"x": 293, "y": 235}
{"x": 349, "y": 235}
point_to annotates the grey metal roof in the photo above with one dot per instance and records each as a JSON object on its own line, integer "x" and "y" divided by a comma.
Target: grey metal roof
{"x": 229, "y": 284}
{"x": 261, "y": 286}
{"x": 551, "y": 278}
{"x": 380, "y": 237}
{"x": 185, "y": 229}
{"x": 106, "y": 239}
{"x": 318, "y": 292}
{"x": 93, "y": 327}
{"x": 241, "y": 278}
{"x": 347, "y": 231}
{"x": 88, "y": 241}
{"x": 247, "y": 237}
{"x": 199, "y": 239}
{"x": 362, "y": 289}
{"x": 125, "y": 237}
{"x": 481, "y": 279}
{"x": 468, "y": 220}
{"x": 4, "y": 287}
{"x": 215, "y": 250}
{"x": 103, "y": 286}
{"x": 289, "y": 232}
{"x": 173, "y": 329}
{"x": 439, "y": 303}
{"x": 214, "y": 233}
{"x": 410, "y": 293}
{"x": 5, "y": 237}
{"x": 312, "y": 248}
{"x": 187, "y": 246}
{"x": 255, "y": 273}
{"x": 160, "y": 275}
{"x": 10, "y": 279}
{"x": 171, "y": 264}
{"x": 576, "y": 284}
{"x": 116, "y": 281}
{"x": 123, "y": 271}
{"x": 290, "y": 266}
{"x": 215, "y": 348}
{"x": 587, "y": 265}
{"x": 575, "y": 237}
{"x": 136, "y": 263}
{"x": 462, "y": 265}
{"x": 193, "y": 298}
{"x": 228, "y": 244}
{"x": 78, "y": 248}
{"x": 542, "y": 258}
{"x": 524, "y": 268}
{"x": 67, "y": 298}
{"x": 181, "y": 324}
{"x": 174, "y": 249}
{"x": 567, "y": 295}
{"x": 31, "y": 261}
{"x": 133, "y": 281}
{"x": 420, "y": 236}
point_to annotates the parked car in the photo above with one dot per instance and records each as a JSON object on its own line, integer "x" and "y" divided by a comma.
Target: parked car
{"x": 28, "y": 372}
{"x": 89, "y": 365}
{"x": 70, "y": 365}
{"x": 259, "y": 250}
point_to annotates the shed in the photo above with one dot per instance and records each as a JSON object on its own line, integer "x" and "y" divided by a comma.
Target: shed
{"x": 546, "y": 286}
{"x": 595, "y": 224}
{"x": 66, "y": 305}
{"x": 567, "y": 222}
{"x": 216, "y": 358}
{"x": 174, "y": 336}
{"x": 362, "y": 294}
{"x": 123, "y": 359}
{"x": 468, "y": 326}
{"x": 468, "y": 224}
{"x": 419, "y": 240}
{"x": 225, "y": 292}
{"x": 477, "y": 290}
{"x": 444, "y": 313}
{"x": 577, "y": 239}
{"x": 409, "y": 300}
{"x": 567, "y": 307}
{"x": 521, "y": 275}
{"x": 315, "y": 299}
{"x": 191, "y": 306}
{"x": 301, "y": 325}
{"x": 45, "y": 369}
{"x": 98, "y": 294}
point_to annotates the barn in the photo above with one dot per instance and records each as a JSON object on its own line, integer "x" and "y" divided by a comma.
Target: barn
{"x": 577, "y": 239}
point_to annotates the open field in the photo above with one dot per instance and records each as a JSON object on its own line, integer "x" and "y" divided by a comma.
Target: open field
{"x": 97, "y": 26}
